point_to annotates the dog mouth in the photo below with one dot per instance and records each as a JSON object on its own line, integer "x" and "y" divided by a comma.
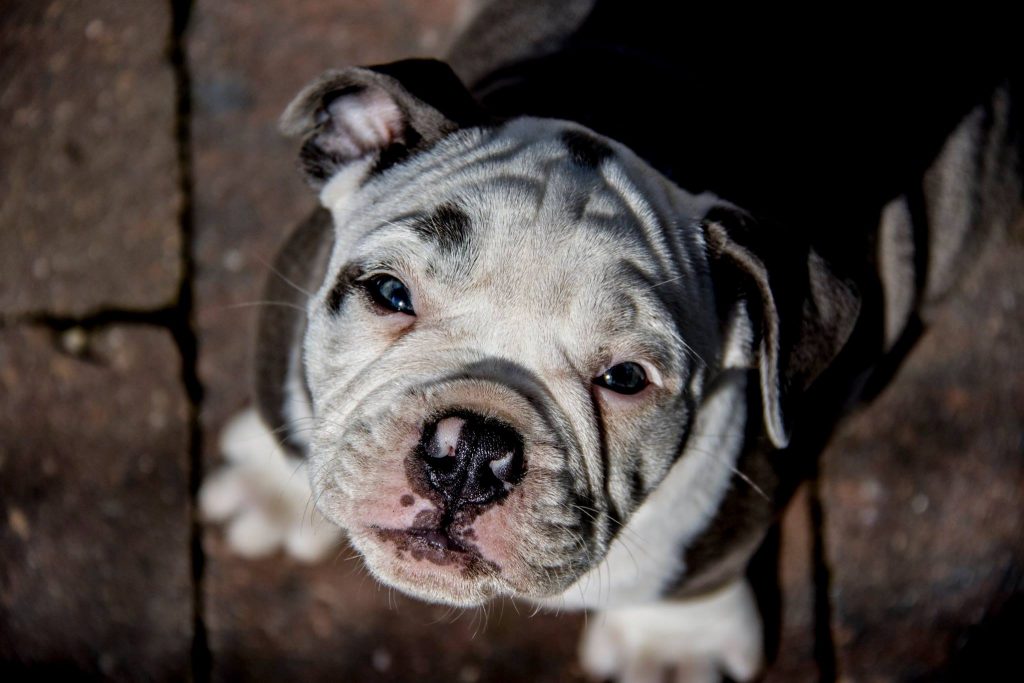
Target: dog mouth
{"x": 437, "y": 545}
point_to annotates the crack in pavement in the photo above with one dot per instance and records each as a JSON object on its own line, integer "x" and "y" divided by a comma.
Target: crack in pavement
{"x": 183, "y": 327}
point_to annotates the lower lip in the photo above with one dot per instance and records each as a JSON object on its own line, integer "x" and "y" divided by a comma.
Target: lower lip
{"x": 435, "y": 539}
{"x": 432, "y": 545}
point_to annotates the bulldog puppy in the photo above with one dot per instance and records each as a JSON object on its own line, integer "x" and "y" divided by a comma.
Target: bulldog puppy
{"x": 517, "y": 358}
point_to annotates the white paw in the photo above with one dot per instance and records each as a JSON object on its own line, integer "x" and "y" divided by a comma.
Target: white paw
{"x": 263, "y": 496}
{"x": 696, "y": 640}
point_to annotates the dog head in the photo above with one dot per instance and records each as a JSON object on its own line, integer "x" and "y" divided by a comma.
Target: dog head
{"x": 518, "y": 327}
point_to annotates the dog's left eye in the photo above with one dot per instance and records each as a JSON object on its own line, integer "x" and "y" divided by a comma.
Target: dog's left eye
{"x": 624, "y": 378}
{"x": 390, "y": 293}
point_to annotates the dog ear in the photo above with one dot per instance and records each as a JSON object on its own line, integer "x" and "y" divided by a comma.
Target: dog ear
{"x": 375, "y": 116}
{"x": 795, "y": 313}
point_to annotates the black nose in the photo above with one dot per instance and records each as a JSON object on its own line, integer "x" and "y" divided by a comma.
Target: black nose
{"x": 470, "y": 459}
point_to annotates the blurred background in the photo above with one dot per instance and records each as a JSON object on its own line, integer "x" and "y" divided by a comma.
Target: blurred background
{"x": 143, "y": 190}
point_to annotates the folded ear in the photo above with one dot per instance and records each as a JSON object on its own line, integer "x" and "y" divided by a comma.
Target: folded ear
{"x": 376, "y": 116}
{"x": 796, "y": 314}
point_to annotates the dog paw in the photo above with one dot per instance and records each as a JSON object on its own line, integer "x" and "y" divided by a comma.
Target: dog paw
{"x": 263, "y": 496}
{"x": 694, "y": 641}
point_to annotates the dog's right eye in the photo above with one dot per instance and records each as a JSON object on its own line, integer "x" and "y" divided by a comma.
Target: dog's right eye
{"x": 390, "y": 293}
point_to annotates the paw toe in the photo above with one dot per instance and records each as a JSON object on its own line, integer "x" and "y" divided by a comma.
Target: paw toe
{"x": 254, "y": 533}
{"x": 221, "y": 495}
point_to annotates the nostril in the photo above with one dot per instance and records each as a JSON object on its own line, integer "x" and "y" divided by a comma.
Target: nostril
{"x": 471, "y": 459}
{"x": 446, "y": 438}
{"x": 507, "y": 468}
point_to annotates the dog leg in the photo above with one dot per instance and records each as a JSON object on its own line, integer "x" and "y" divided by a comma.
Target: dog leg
{"x": 697, "y": 639}
{"x": 264, "y": 497}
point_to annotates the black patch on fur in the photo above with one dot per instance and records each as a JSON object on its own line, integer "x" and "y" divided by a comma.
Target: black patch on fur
{"x": 613, "y": 520}
{"x": 336, "y": 297}
{"x": 637, "y": 486}
{"x": 409, "y": 142}
{"x": 585, "y": 509}
{"x": 690, "y": 410}
{"x": 578, "y": 204}
{"x": 448, "y": 227}
{"x": 316, "y": 162}
{"x": 585, "y": 150}
{"x": 391, "y": 155}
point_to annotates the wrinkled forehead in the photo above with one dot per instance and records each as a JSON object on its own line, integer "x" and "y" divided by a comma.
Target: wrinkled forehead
{"x": 543, "y": 196}
{"x": 509, "y": 187}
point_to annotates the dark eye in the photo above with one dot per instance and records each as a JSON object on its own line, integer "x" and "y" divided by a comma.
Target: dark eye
{"x": 390, "y": 293}
{"x": 624, "y": 378}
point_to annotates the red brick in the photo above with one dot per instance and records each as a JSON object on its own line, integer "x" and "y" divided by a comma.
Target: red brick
{"x": 924, "y": 491}
{"x": 795, "y": 661}
{"x": 274, "y": 619}
{"x": 89, "y": 200}
{"x": 95, "y": 577}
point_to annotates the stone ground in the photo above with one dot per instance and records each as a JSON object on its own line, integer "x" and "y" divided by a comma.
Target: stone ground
{"x": 143, "y": 191}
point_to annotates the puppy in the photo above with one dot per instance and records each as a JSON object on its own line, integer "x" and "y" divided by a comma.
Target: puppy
{"x": 558, "y": 316}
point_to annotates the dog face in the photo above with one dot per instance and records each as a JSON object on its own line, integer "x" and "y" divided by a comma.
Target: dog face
{"x": 518, "y": 327}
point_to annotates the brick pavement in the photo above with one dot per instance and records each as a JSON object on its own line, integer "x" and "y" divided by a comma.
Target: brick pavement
{"x": 143, "y": 191}
{"x": 90, "y": 199}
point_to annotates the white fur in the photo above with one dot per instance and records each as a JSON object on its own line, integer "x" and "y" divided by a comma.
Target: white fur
{"x": 739, "y": 344}
{"x": 896, "y": 258}
{"x": 343, "y": 184}
{"x": 698, "y": 638}
{"x": 264, "y": 496}
{"x": 298, "y": 411}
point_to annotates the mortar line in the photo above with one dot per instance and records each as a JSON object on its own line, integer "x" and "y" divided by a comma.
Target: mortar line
{"x": 164, "y": 317}
{"x": 184, "y": 329}
{"x": 824, "y": 644}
